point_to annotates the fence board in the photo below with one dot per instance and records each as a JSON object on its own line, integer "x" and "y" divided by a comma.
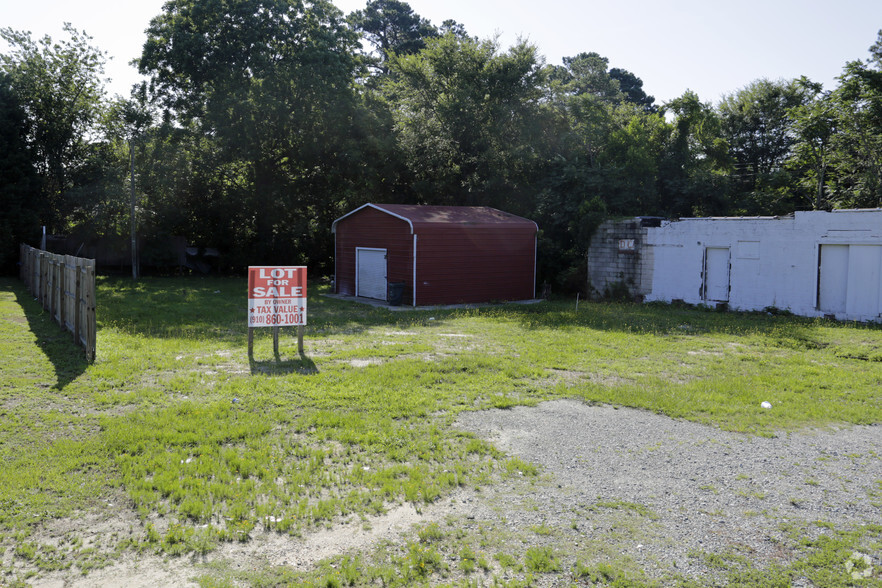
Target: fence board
{"x": 65, "y": 287}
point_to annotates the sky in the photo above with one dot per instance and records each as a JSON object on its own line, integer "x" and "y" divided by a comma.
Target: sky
{"x": 710, "y": 47}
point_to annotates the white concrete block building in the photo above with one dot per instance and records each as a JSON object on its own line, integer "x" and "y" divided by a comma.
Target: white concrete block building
{"x": 811, "y": 263}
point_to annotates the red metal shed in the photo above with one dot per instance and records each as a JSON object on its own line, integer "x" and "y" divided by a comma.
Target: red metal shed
{"x": 440, "y": 254}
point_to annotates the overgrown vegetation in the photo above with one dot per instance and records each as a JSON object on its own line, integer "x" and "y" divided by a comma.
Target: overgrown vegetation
{"x": 296, "y": 114}
{"x": 173, "y": 430}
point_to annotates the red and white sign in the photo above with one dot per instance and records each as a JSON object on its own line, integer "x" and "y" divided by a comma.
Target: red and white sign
{"x": 276, "y": 296}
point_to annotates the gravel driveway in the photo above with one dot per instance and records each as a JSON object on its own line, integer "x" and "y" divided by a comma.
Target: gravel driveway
{"x": 698, "y": 489}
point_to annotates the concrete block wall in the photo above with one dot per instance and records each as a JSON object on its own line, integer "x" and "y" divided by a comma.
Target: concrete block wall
{"x": 619, "y": 255}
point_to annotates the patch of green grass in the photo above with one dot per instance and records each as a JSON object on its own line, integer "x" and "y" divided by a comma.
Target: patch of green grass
{"x": 542, "y": 530}
{"x": 430, "y": 533}
{"x": 541, "y": 560}
{"x": 828, "y": 559}
{"x": 507, "y": 561}
{"x": 604, "y": 574}
{"x": 518, "y": 467}
{"x": 174, "y": 422}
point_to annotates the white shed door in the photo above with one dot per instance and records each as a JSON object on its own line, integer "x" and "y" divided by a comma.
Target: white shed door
{"x": 370, "y": 273}
{"x": 833, "y": 282}
{"x": 716, "y": 274}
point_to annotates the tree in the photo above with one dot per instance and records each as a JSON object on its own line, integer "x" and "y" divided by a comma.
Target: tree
{"x": 813, "y": 125}
{"x": 756, "y": 124}
{"x": 632, "y": 87}
{"x": 586, "y": 74}
{"x": 270, "y": 84}
{"x": 392, "y": 26}
{"x": 856, "y": 154}
{"x": 631, "y": 159}
{"x": 19, "y": 184}
{"x": 693, "y": 170}
{"x": 61, "y": 91}
{"x": 464, "y": 116}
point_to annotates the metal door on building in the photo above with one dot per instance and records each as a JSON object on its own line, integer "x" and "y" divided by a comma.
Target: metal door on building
{"x": 850, "y": 280}
{"x": 370, "y": 273}
{"x": 833, "y": 280}
{"x": 716, "y": 274}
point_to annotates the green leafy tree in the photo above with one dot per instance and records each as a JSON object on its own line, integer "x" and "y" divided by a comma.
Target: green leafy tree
{"x": 19, "y": 183}
{"x": 631, "y": 160}
{"x": 632, "y": 87}
{"x": 756, "y": 124}
{"x": 585, "y": 74}
{"x": 856, "y": 154}
{"x": 392, "y": 26}
{"x": 464, "y": 117}
{"x": 60, "y": 88}
{"x": 270, "y": 84}
{"x": 693, "y": 172}
{"x": 813, "y": 124}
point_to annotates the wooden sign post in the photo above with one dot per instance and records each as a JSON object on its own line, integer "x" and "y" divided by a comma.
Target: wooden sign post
{"x": 276, "y": 298}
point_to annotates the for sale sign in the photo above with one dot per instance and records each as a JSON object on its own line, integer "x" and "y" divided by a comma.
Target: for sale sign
{"x": 276, "y": 296}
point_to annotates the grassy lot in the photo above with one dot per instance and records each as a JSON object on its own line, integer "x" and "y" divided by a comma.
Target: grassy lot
{"x": 174, "y": 425}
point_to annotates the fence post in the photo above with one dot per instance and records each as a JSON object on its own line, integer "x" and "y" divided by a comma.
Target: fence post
{"x": 38, "y": 273}
{"x": 51, "y": 283}
{"x": 89, "y": 299}
{"x": 77, "y": 299}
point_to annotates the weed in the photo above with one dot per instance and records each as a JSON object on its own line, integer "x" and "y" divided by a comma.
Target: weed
{"x": 542, "y": 530}
{"x": 507, "y": 561}
{"x": 431, "y": 533}
{"x": 467, "y": 560}
{"x": 541, "y": 560}
{"x": 26, "y": 550}
{"x": 519, "y": 467}
{"x": 423, "y": 560}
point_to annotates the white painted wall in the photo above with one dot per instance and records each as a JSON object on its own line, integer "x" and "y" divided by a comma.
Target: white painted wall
{"x": 774, "y": 262}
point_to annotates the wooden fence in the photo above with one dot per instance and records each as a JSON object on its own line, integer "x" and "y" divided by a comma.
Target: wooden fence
{"x": 65, "y": 287}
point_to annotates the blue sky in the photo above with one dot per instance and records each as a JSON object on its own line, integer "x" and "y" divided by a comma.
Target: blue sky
{"x": 713, "y": 48}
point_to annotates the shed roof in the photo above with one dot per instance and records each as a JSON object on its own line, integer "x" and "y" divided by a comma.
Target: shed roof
{"x": 421, "y": 216}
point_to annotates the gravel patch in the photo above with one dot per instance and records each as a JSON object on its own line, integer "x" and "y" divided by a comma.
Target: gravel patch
{"x": 650, "y": 495}
{"x": 699, "y": 489}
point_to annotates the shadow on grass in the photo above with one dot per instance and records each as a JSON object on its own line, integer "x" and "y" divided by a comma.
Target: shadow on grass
{"x": 67, "y": 358}
{"x": 675, "y": 320}
{"x": 282, "y": 367}
{"x": 216, "y": 307}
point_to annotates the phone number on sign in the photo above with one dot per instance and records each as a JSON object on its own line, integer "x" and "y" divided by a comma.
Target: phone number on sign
{"x": 277, "y": 319}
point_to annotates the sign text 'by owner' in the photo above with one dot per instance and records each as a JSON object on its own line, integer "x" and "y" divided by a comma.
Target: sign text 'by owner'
{"x": 276, "y": 296}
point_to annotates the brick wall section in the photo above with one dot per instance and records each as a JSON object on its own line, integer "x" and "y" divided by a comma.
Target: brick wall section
{"x": 608, "y": 265}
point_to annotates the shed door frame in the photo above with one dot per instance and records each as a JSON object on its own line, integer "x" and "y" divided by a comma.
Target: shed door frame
{"x": 370, "y": 285}
{"x": 717, "y": 269}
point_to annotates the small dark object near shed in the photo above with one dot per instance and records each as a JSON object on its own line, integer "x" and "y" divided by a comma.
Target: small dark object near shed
{"x": 441, "y": 254}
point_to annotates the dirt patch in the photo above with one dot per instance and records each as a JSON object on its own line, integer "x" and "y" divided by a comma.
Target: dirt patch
{"x": 362, "y": 363}
{"x": 264, "y": 549}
